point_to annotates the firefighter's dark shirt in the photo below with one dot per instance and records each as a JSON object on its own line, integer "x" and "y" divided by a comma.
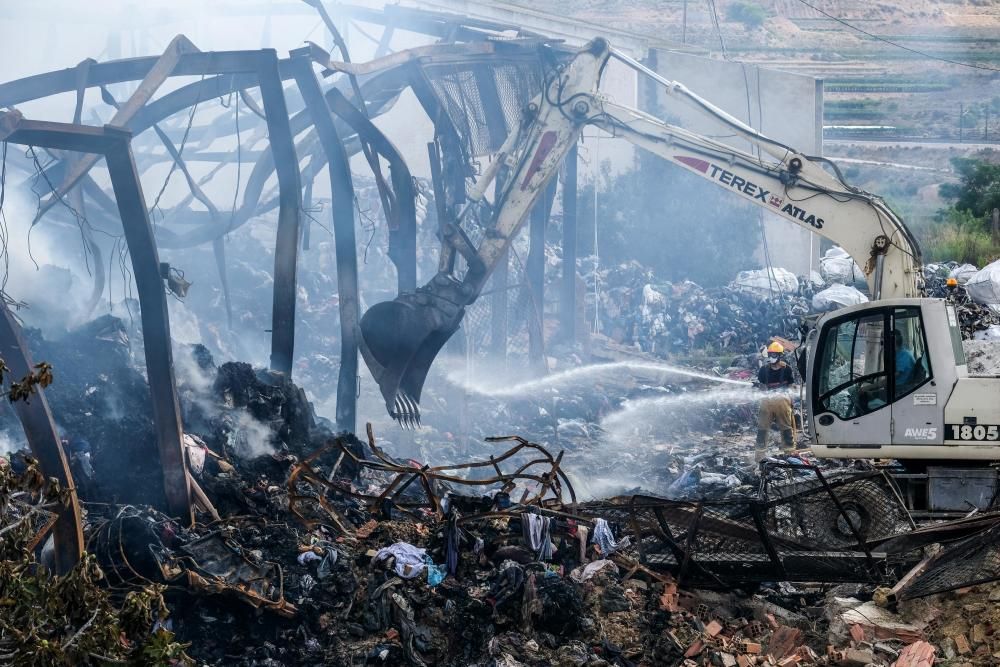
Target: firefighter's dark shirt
{"x": 774, "y": 378}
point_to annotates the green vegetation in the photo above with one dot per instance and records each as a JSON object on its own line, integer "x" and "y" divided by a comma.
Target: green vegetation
{"x": 70, "y": 620}
{"x": 958, "y": 237}
{"x": 962, "y": 231}
{"x": 978, "y": 193}
{"x": 749, "y": 14}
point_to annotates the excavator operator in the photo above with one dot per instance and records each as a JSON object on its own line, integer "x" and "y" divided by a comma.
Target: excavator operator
{"x": 772, "y": 377}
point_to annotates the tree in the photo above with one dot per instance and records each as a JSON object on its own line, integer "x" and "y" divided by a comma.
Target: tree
{"x": 978, "y": 193}
{"x": 749, "y": 14}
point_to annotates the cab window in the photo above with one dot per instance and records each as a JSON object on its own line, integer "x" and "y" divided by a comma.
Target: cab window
{"x": 911, "y": 364}
{"x": 852, "y": 378}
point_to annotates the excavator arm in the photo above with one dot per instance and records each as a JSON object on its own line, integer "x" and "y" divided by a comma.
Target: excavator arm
{"x": 795, "y": 188}
{"x": 401, "y": 338}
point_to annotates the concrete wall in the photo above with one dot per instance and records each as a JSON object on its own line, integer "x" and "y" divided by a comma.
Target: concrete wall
{"x": 785, "y": 106}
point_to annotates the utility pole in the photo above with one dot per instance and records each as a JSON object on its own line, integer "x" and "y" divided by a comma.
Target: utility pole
{"x": 684, "y": 24}
{"x": 961, "y": 121}
{"x": 996, "y": 227}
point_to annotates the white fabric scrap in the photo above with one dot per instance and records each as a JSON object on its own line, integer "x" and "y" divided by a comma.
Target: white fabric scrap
{"x": 409, "y": 559}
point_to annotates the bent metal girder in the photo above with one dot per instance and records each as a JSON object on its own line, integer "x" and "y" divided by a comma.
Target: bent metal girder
{"x": 261, "y": 69}
{"x": 235, "y": 71}
{"x": 114, "y": 144}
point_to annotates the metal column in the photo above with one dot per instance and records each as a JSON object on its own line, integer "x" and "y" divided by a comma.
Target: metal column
{"x": 286, "y": 245}
{"x": 40, "y": 430}
{"x": 114, "y": 144}
{"x": 535, "y": 275}
{"x": 342, "y": 209}
{"x": 567, "y": 292}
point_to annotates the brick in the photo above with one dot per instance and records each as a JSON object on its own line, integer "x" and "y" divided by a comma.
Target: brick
{"x": 694, "y": 649}
{"x": 790, "y": 661}
{"x": 857, "y": 633}
{"x": 366, "y": 529}
{"x": 668, "y": 600}
{"x": 979, "y": 633}
{"x": 752, "y": 648}
{"x": 772, "y": 622}
{"x": 917, "y": 654}
{"x": 743, "y": 661}
{"x": 962, "y": 644}
{"x": 807, "y": 654}
{"x": 713, "y": 628}
{"x": 392, "y": 634}
{"x": 784, "y": 641}
{"x": 853, "y": 657}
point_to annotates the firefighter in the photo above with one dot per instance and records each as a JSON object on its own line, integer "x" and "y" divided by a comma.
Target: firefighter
{"x": 774, "y": 377}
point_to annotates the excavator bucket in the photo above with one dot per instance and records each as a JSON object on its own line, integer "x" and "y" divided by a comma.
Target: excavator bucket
{"x": 400, "y": 340}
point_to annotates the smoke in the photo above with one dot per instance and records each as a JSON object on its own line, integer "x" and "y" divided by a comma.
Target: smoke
{"x": 9, "y": 443}
{"x": 41, "y": 268}
{"x": 247, "y": 437}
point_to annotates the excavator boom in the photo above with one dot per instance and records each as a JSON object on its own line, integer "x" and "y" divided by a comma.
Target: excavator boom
{"x": 401, "y": 338}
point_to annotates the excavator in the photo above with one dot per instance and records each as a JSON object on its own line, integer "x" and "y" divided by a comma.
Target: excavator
{"x": 886, "y": 379}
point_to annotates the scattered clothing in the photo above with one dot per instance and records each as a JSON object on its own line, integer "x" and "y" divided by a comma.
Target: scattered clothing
{"x": 605, "y": 539}
{"x": 537, "y": 532}
{"x": 409, "y": 559}
{"x": 586, "y": 572}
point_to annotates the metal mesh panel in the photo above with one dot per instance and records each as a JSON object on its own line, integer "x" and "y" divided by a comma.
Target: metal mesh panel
{"x": 484, "y": 100}
{"x": 797, "y": 530}
{"x": 970, "y": 562}
{"x": 814, "y": 517}
{"x": 520, "y": 313}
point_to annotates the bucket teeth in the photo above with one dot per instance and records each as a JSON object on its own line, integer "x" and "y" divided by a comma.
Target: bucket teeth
{"x": 406, "y": 411}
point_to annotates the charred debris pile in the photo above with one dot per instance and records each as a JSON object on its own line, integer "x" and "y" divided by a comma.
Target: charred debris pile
{"x": 320, "y": 549}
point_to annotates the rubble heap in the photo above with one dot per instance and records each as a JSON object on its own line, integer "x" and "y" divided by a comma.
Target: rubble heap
{"x": 666, "y": 318}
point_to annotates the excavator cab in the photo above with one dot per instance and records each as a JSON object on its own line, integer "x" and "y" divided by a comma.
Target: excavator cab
{"x": 880, "y": 377}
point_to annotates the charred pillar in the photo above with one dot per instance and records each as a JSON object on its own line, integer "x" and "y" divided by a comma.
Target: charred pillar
{"x": 286, "y": 245}
{"x": 342, "y": 209}
{"x": 535, "y": 275}
{"x": 43, "y": 439}
{"x": 567, "y": 291}
{"x": 114, "y": 144}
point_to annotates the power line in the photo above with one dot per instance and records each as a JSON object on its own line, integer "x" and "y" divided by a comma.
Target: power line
{"x": 718, "y": 28}
{"x": 897, "y": 44}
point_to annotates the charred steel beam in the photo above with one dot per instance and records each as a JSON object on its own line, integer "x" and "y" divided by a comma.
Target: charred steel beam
{"x": 155, "y": 78}
{"x": 385, "y": 88}
{"x": 263, "y": 66}
{"x": 342, "y": 209}
{"x": 286, "y": 245}
{"x": 402, "y": 218}
{"x": 567, "y": 292}
{"x": 114, "y": 144}
{"x": 43, "y": 438}
{"x": 535, "y": 274}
